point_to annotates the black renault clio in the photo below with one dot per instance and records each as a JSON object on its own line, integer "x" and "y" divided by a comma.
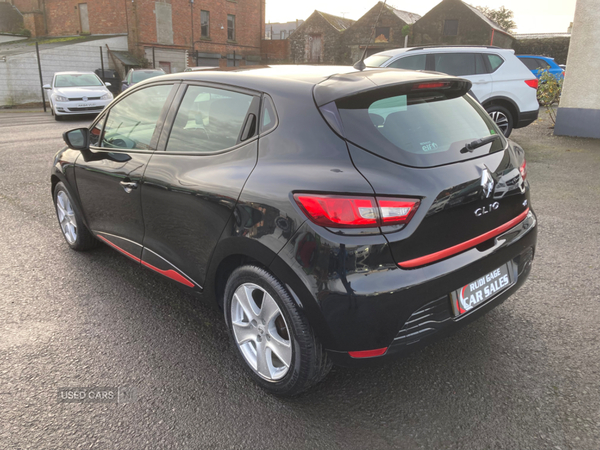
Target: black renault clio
{"x": 335, "y": 215}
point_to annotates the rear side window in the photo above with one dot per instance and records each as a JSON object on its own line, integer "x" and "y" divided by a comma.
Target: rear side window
{"x": 420, "y": 129}
{"x": 415, "y": 62}
{"x": 458, "y": 64}
{"x": 543, "y": 64}
{"x": 131, "y": 122}
{"x": 531, "y": 63}
{"x": 208, "y": 120}
{"x": 495, "y": 61}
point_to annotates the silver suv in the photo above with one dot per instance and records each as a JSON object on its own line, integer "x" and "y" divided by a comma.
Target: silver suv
{"x": 501, "y": 82}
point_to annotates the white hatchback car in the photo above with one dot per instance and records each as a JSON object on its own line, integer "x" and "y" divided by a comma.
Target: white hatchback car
{"x": 501, "y": 82}
{"x": 74, "y": 93}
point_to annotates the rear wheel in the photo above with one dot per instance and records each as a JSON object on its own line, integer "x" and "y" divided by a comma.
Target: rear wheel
{"x": 273, "y": 339}
{"x": 71, "y": 224}
{"x": 502, "y": 117}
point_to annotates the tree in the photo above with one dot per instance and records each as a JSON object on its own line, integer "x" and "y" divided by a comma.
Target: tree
{"x": 502, "y": 16}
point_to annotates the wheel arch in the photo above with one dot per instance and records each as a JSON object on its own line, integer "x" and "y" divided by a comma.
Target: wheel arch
{"x": 506, "y": 103}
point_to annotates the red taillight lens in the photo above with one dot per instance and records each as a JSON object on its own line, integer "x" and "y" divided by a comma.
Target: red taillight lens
{"x": 532, "y": 83}
{"x": 523, "y": 169}
{"x": 434, "y": 85}
{"x": 336, "y": 211}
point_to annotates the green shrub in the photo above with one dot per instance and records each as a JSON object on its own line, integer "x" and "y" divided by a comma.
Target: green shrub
{"x": 548, "y": 93}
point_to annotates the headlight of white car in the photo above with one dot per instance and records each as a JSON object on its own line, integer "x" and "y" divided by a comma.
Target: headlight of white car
{"x": 106, "y": 96}
{"x": 60, "y": 98}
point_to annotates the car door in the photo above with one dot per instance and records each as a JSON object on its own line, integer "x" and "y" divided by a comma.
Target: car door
{"x": 466, "y": 65}
{"x": 206, "y": 153}
{"x": 109, "y": 175}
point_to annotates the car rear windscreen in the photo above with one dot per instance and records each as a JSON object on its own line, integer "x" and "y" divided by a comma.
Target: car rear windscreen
{"x": 422, "y": 129}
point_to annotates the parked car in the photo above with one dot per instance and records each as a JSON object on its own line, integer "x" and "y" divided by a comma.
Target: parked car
{"x": 335, "y": 216}
{"x": 74, "y": 93}
{"x": 136, "y": 75}
{"x": 110, "y": 76}
{"x": 500, "y": 83}
{"x": 538, "y": 63}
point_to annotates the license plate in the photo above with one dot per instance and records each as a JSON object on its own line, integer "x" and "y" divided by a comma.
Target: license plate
{"x": 85, "y": 105}
{"x": 481, "y": 290}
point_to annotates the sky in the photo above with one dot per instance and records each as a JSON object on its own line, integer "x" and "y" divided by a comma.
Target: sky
{"x": 531, "y": 16}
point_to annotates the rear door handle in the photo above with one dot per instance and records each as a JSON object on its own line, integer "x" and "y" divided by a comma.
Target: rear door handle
{"x": 128, "y": 186}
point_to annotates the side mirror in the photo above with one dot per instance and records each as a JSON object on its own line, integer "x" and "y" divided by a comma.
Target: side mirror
{"x": 107, "y": 84}
{"x": 78, "y": 139}
{"x": 47, "y": 86}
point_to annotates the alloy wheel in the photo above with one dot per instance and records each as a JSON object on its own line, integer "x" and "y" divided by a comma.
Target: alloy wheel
{"x": 66, "y": 217}
{"x": 261, "y": 332}
{"x": 501, "y": 120}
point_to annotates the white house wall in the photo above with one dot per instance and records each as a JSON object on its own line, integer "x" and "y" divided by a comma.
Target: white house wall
{"x": 19, "y": 77}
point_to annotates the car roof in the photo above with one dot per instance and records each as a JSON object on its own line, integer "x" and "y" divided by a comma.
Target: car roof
{"x": 445, "y": 48}
{"x": 333, "y": 82}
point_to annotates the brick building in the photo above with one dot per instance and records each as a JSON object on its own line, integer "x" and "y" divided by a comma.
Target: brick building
{"x": 388, "y": 33}
{"x": 453, "y": 22}
{"x": 320, "y": 40}
{"x": 167, "y": 33}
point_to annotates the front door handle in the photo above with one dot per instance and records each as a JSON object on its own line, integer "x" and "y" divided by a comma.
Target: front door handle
{"x": 128, "y": 186}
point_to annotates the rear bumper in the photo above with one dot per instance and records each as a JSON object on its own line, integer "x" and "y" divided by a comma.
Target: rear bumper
{"x": 527, "y": 117}
{"x": 410, "y": 317}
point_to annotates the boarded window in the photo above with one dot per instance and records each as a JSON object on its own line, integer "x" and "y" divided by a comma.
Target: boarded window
{"x": 164, "y": 23}
{"x": 451, "y": 27}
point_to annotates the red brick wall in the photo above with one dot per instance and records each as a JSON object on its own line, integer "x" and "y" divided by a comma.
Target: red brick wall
{"x": 109, "y": 17}
{"x": 105, "y": 17}
{"x": 275, "y": 51}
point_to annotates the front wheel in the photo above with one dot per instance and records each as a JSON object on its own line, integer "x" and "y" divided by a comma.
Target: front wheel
{"x": 273, "y": 339}
{"x": 502, "y": 118}
{"x": 71, "y": 224}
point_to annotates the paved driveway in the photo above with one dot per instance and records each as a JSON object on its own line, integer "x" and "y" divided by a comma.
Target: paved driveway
{"x": 526, "y": 376}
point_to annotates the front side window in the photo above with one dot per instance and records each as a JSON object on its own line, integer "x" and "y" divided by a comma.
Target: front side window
{"x": 415, "y": 62}
{"x": 132, "y": 121}
{"x": 205, "y": 24}
{"x": 208, "y": 120}
{"x": 230, "y": 27}
{"x": 451, "y": 27}
{"x": 77, "y": 80}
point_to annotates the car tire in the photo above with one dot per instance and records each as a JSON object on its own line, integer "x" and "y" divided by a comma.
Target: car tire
{"x": 502, "y": 117}
{"x": 69, "y": 219}
{"x": 271, "y": 335}
{"x": 56, "y": 117}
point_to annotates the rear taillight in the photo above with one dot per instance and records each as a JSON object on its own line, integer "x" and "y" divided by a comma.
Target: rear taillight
{"x": 523, "y": 169}
{"x": 336, "y": 211}
{"x": 532, "y": 83}
{"x": 434, "y": 85}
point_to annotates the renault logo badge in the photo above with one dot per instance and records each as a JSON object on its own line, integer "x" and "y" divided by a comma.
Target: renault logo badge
{"x": 487, "y": 183}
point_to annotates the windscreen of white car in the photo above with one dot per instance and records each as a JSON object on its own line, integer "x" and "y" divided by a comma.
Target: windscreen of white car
{"x": 77, "y": 80}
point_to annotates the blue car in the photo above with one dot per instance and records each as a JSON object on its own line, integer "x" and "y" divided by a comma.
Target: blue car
{"x": 535, "y": 63}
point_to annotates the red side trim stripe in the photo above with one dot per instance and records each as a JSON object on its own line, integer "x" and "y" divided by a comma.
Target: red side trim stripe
{"x": 167, "y": 273}
{"x": 437, "y": 256}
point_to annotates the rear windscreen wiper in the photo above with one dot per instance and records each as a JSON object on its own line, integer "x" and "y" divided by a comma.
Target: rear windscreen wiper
{"x": 478, "y": 143}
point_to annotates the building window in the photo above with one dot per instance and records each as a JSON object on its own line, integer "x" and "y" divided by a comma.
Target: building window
{"x": 282, "y": 34}
{"x": 451, "y": 27}
{"x": 382, "y": 35}
{"x": 204, "y": 24}
{"x": 230, "y": 27}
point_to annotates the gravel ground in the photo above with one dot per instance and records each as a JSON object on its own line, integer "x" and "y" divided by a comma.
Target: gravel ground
{"x": 525, "y": 376}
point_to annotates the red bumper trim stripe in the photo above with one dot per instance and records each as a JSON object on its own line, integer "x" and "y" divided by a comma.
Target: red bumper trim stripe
{"x": 437, "y": 256}
{"x": 368, "y": 353}
{"x": 167, "y": 273}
